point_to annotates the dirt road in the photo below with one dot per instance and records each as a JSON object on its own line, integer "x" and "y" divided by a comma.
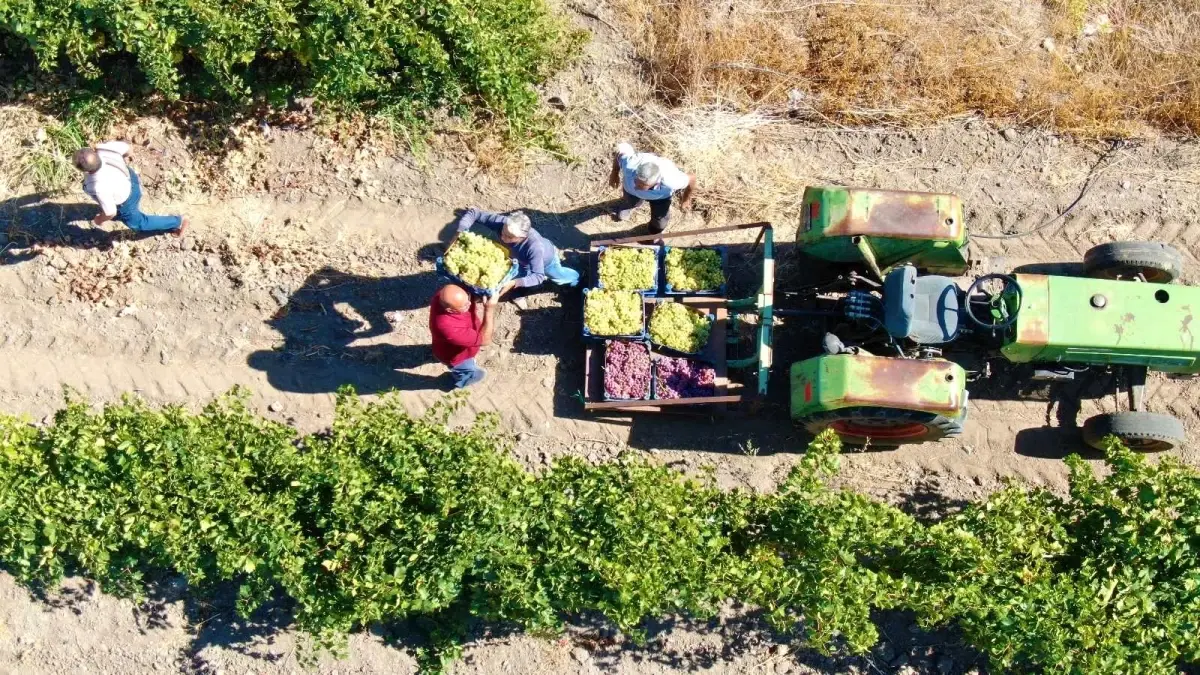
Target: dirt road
{"x": 305, "y": 279}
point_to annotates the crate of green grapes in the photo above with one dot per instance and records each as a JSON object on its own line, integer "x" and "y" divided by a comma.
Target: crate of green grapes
{"x": 478, "y": 263}
{"x": 613, "y": 314}
{"x": 679, "y": 328}
{"x": 694, "y": 270}
{"x": 628, "y": 267}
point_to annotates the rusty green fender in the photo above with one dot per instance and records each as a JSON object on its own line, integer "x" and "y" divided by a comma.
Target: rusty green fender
{"x": 884, "y": 228}
{"x": 831, "y": 382}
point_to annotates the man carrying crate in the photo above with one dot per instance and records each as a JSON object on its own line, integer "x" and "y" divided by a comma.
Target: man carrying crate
{"x": 460, "y": 327}
{"x": 537, "y": 258}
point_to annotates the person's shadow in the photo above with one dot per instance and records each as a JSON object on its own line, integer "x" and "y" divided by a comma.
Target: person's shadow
{"x": 33, "y": 219}
{"x": 329, "y": 326}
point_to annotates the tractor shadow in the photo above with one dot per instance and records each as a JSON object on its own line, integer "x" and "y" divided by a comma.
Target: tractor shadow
{"x": 1062, "y": 269}
{"x": 1059, "y": 433}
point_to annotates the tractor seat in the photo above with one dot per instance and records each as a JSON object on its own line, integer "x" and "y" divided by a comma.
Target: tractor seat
{"x": 925, "y": 310}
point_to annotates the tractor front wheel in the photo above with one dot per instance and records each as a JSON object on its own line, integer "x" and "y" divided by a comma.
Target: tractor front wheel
{"x": 1141, "y": 431}
{"x": 887, "y": 427}
{"x": 1152, "y": 261}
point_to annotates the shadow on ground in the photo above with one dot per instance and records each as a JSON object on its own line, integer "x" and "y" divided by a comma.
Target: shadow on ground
{"x": 739, "y": 631}
{"x": 325, "y": 323}
{"x": 34, "y": 220}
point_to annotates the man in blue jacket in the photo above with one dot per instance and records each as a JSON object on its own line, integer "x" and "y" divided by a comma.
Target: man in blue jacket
{"x": 537, "y": 258}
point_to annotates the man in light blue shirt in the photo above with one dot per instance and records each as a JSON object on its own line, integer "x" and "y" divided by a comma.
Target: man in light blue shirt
{"x": 646, "y": 177}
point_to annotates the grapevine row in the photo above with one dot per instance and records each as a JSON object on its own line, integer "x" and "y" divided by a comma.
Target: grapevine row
{"x": 387, "y": 516}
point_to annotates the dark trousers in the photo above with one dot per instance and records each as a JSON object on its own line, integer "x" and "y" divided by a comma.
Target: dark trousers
{"x": 660, "y": 211}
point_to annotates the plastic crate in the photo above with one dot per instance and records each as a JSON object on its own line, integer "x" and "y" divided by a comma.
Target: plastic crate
{"x": 649, "y": 385}
{"x": 675, "y": 352}
{"x": 720, "y": 291}
{"x": 653, "y": 290}
{"x": 588, "y": 335}
{"x": 446, "y": 274}
{"x": 655, "y": 359}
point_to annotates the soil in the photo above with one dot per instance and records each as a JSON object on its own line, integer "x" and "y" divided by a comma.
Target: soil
{"x": 309, "y": 265}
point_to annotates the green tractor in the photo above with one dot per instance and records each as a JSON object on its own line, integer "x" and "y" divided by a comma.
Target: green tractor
{"x": 892, "y": 368}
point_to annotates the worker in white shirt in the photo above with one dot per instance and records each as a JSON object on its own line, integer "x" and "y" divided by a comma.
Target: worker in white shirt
{"x": 643, "y": 176}
{"x": 116, "y": 188}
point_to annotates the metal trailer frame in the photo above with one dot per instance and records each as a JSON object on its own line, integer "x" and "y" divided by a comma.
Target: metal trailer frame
{"x": 761, "y": 305}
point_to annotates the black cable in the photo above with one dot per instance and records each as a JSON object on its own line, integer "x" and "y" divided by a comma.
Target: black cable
{"x": 1087, "y": 185}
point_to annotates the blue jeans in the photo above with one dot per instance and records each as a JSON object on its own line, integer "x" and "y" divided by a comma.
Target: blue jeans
{"x": 561, "y": 275}
{"x": 466, "y": 373}
{"x": 131, "y": 214}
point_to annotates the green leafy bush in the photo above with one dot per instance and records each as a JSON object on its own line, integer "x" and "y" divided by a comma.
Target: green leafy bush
{"x": 382, "y": 55}
{"x": 387, "y": 516}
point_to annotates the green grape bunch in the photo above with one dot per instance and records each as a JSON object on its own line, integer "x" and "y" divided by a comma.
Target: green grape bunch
{"x": 679, "y": 327}
{"x": 694, "y": 269}
{"x": 611, "y": 312}
{"x": 626, "y": 268}
{"x": 477, "y": 260}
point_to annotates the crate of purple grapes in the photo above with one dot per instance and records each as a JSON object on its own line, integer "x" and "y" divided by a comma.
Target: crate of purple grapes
{"x": 683, "y": 378}
{"x": 627, "y": 371}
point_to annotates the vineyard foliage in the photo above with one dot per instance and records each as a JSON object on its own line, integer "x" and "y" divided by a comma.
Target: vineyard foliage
{"x": 628, "y": 268}
{"x": 387, "y": 516}
{"x": 384, "y": 55}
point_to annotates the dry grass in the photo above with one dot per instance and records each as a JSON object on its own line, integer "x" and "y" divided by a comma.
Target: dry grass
{"x": 724, "y": 150}
{"x": 1095, "y": 68}
{"x": 35, "y": 157}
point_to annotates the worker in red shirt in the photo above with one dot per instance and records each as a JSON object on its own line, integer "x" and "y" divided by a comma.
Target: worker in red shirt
{"x": 460, "y": 327}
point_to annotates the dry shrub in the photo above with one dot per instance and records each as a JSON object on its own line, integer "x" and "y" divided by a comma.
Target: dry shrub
{"x": 1094, "y": 68}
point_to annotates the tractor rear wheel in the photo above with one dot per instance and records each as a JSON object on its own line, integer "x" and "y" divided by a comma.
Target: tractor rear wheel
{"x": 1142, "y": 431}
{"x": 887, "y": 427}
{"x": 1154, "y": 261}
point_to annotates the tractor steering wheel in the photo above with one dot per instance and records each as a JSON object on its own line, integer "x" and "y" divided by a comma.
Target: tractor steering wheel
{"x": 1003, "y": 302}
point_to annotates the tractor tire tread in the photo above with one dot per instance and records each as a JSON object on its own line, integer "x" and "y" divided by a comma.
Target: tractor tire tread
{"x": 1151, "y": 255}
{"x": 1134, "y": 425}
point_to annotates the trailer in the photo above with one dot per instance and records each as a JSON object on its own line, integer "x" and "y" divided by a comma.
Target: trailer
{"x": 730, "y": 317}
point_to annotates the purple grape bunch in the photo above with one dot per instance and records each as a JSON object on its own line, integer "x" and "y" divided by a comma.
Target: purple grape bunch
{"x": 626, "y": 370}
{"x": 685, "y": 378}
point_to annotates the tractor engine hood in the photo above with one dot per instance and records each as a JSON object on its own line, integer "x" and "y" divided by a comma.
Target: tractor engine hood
{"x": 1099, "y": 321}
